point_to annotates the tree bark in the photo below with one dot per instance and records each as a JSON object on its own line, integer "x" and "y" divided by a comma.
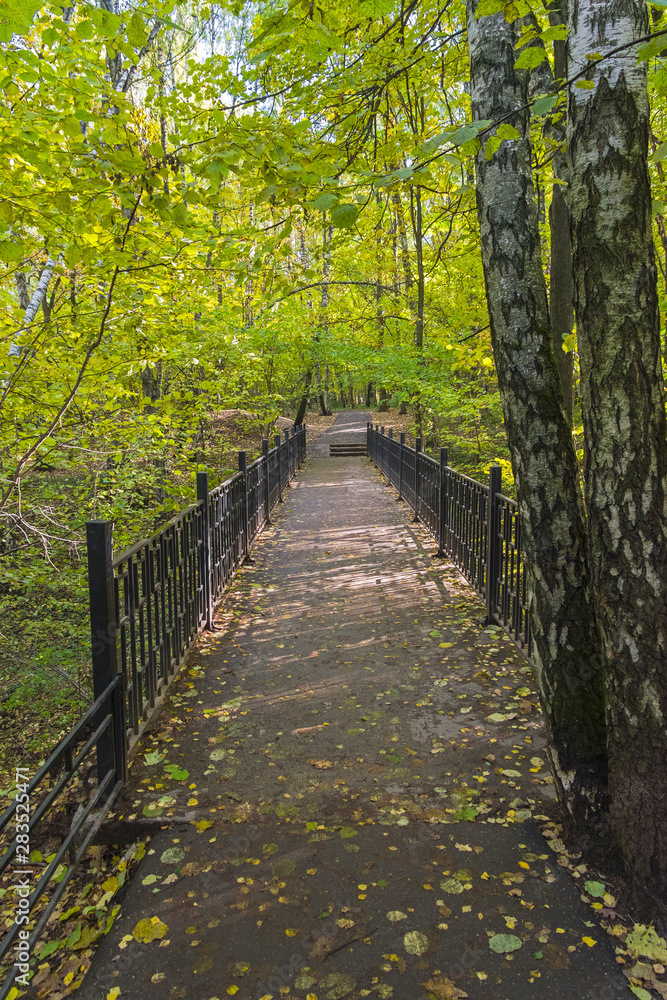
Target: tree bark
{"x": 560, "y": 285}
{"x": 305, "y": 398}
{"x": 623, "y": 406}
{"x": 543, "y": 460}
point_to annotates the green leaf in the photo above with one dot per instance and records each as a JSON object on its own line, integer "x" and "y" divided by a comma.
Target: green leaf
{"x": 660, "y": 153}
{"x": 266, "y": 193}
{"x": 345, "y": 216}
{"x": 375, "y": 8}
{"x": 585, "y": 84}
{"x": 136, "y": 31}
{"x": 543, "y": 105}
{"x": 507, "y": 132}
{"x": 596, "y": 889}
{"x": 84, "y": 30}
{"x": 325, "y": 202}
{"x": 645, "y": 941}
{"x": 652, "y": 49}
{"x": 172, "y": 856}
{"x": 504, "y": 943}
{"x": 488, "y": 7}
{"x": 154, "y": 757}
{"x": 531, "y": 57}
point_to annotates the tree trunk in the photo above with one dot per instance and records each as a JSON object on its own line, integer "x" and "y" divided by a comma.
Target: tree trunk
{"x": 539, "y": 439}
{"x": 418, "y": 232}
{"x": 560, "y": 286}
{"x": 34, "y": 303}
{"x": 327, "y": 236}
{"x": 305, "y": 398}
{"x": 623, "y": 407}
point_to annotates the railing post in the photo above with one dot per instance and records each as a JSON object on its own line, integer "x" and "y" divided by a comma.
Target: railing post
{"x": 267, "y": 492}
{"x": 418, "y": 448}
{"x": 442, "y": 504}
{"x": 368, "y": 437}
{"x": 243, "y": 466}
{"x": 382, "y": 449}
{"x": 288, "y": 457}
{"x": 292, "y": 449}
{"x": 390, "y": 438}
{"x": 492, "y": 542}
{"x": 401, "y": 449}
{"x": 111, "y": 750}
{"x": 278, "y": 443}
{"x": 202, "y": 495}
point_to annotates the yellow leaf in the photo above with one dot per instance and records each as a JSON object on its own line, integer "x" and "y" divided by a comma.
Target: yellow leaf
{"x": 311, "y": 871}
{"x": 149, "y": 929}
{"x": 111, "y": 884}
{"x": 232, "y": 990}
{"x": 193, "y": 802}
{"x": 524, "y": 864}
{"x": 589, "y": 941}
{"x": 291, "y": 932}
{"x": 68, "y": 978}
{"x": 203, "y": 824}
{"x": 111, "y": 995}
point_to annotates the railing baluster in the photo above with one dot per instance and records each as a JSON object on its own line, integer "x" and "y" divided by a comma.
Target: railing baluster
{"x": 104, "y": 643}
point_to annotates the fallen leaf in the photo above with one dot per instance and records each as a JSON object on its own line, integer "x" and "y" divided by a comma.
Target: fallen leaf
{"x": 172, "y": 856}
{"x": 321, "y": 765}
{"x": 395, "y": 915}
{"x": 444, "y": 988}
{"x": 645, "y": 941}
{"x": 149, "y": 929}
{"x": 415, "y": 943}
{"x": 503, "y": 943}
{"x": 339, "y": 985}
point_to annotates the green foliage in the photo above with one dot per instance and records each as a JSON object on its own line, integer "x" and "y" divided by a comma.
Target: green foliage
{"x": 227, "y": 224}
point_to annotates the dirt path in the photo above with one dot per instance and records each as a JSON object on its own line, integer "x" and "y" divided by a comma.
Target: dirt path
{"x": 365, "y": 785}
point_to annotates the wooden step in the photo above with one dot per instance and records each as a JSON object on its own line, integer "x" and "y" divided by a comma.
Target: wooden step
{"x": 343, "y": 449}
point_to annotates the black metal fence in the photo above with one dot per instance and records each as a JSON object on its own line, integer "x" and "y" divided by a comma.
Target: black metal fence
{"x": 476, "y": 526}
{"x": 147, "y": 607}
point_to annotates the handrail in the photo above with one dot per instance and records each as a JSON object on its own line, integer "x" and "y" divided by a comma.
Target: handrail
{"x": 476, "y": 526}
{"x": 148, "y": 604}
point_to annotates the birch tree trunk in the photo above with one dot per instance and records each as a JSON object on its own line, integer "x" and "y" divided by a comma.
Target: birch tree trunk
{"x": 560, "y": 284}
{"x": 543, "y": 459}
{"x": 623, "y": 406}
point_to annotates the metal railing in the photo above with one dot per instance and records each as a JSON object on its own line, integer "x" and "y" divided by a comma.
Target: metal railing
{"x": 476, "y": 526}
{"x": 147, "y": 607}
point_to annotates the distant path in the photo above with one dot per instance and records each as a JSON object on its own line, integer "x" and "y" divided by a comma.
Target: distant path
{"x": 349, "y": 426}
{"x": 347, "y": 718}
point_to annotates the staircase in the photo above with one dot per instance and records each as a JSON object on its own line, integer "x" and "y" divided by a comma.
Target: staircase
{"x": 343, "y": 450}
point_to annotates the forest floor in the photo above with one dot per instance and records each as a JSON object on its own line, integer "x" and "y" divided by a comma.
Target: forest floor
{"x": 349, "y": 786}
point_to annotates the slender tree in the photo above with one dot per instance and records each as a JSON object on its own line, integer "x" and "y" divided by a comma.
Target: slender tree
{"x": 623, "y": 408}
{"x": 539, "y": 439}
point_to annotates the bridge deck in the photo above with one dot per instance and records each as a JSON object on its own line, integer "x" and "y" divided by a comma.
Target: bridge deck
{"x": 340, "y": 730}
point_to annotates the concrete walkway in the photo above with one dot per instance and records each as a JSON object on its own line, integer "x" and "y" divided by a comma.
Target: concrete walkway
{"x": 366, "y": 785}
